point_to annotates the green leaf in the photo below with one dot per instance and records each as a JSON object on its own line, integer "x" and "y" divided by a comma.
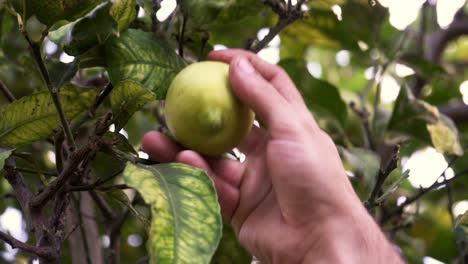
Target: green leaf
{"x": 120, "y": 147}
{"x": 461, "y": 234}
{"x": 186, "y": 220}
{"x": 362, "y": 162}
{"x": 128, "y": 97}
{"x": 410, "y": 116}
{"x": 320, "y": 96}
{"x": 201, "y": 12}
{"x": 4, "y": 154}
{"x": 322, "y": 27}
{"x": 422, "y": 66}
{"x": 444, "y": 136}
{"x": 229, "y": 250}
{"x": 92, "y": 30}
{"x": 93, "y": 58}
{"x": 35, "y": 117}
{"x": 239, "y": 9}
{"x": 416, "y": 118}
{"x": 61, "y": 73}
{"x": 394, "y": 186}
{"x": 51, "y": 11}
{"x": 142, "y": 57}
{"x": 124, "y": 12}
{"x": 59, "y": 33}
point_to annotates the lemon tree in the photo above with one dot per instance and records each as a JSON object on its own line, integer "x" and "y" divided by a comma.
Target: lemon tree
{"x": 81, "y": 82}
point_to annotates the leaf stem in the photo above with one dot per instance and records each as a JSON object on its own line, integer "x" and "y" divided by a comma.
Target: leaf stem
{"x": 8, "y": 94}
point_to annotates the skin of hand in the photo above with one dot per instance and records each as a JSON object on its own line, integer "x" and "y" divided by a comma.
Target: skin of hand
{"x": 290, "y": 201}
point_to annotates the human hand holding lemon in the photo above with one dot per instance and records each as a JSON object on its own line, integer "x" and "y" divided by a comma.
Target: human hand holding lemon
{"x": 290, "y": 201}
{"x": 202, "y": 113}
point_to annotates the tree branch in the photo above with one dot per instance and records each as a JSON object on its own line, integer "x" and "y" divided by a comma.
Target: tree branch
{"x": 28, "y": 170}
{"x": 438, "y": 41}
{"x": 382, "y": 176}
{"x": 458, "y": 112}
{"x": 435, "y": 45}
{"x": 70, "y": 167}
{"x": 16, "y": 180}
{"x": 43, "y": 252}
{"x": 286, "y": 17}
{"x": 6, "y": 92}
{"x": 36, "y": 52}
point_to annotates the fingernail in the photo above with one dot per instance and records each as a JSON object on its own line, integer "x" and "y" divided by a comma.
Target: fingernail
{"x": 245, "y": 66}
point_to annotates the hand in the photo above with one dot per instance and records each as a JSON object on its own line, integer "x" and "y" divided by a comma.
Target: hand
{"x": 290, "y": 200}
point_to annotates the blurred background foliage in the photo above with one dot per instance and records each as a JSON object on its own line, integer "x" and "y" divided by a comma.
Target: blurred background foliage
{"x": 376, "y": 74}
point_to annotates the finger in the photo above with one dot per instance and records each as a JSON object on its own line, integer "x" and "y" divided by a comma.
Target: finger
{"x": 252, "y": 140}
{"x": 228, "y": 170}
{"x": 258, "y": 94}
{"x": 228, "y": 196}
{"x": 159, "y": 147}
{"x": 271, "y": 72}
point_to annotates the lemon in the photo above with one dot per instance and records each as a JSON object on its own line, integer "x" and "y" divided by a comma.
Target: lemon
{"x": 201, "y": 111}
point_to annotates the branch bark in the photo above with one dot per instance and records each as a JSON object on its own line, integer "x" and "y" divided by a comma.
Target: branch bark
{"x": 43, "y": 252}
{"x": 287, "y": 15}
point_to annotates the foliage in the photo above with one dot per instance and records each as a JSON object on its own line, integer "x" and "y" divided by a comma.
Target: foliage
{"x": 123, "y": 62}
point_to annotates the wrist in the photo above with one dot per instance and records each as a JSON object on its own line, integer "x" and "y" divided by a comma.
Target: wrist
{"x": 351, "y": 237}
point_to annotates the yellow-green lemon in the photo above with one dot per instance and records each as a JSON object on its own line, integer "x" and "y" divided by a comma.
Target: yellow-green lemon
{"x": 202, "y": 113}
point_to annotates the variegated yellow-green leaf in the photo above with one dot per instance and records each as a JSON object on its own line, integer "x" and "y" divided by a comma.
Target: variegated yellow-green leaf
{"x": 128, "y": 97}
{"x": 124, "y": 12}
{"x": 144, "y": 58}
{"x": 444, "y": 138}
{"x": 229, "y": 250}
{"x": 461, "y": 233}
{"x": 186, "y": 221}
{"x": 4, "y": 154}
{"x": 34, "y": 117}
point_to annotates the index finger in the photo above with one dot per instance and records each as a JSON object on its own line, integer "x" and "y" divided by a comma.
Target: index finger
{"x": 270, "y": 72}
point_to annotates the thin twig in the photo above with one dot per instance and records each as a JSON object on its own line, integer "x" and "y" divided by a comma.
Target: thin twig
{"x": 36, "y": 52}
{"x": 182, "y": 35}
{"x": 287, "y": 16}
{"x": 28, "y": 170}
{"x": 6, "y": 92}
{"x": 421, "y": 193}
{"x": 450, "y": 201}
{"x": 95, "y": 184}
{"x": 382, "y": 176}
{"x": 154, "y": 10}
{"x": 92, "y": 110}
{"x": 98, "y": 188}
{"x": 106, "y": 210}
